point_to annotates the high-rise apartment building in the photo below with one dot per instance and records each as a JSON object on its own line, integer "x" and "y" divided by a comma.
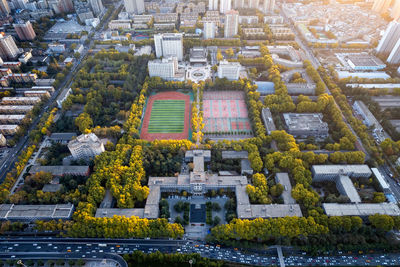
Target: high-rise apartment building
{"x": 85, "y": 146}
{"x": 268, "y": 6}
{"x": 4, "y": 7}
{"x": 231, "y": 23}
{"x": 381, "y": 6}
{"x": 394, "y": 56}
{"x": 254, "y": 3}
{"x": 169, "y": 45}
{"x": 225, "y": 6}
{"x": 8, "y": 48}
{"x": 238, "y": 4}
{"x": 212, "y": 4}
{"x": 209, "y": 30}
{"x": 389, "y": 38}
{"x": 97, "y": 6}
{"x": 229, "y": 70}
{"x": 395, "y": 14}
{"x": 25, "y": 31}
{"x": 134, "y": 6}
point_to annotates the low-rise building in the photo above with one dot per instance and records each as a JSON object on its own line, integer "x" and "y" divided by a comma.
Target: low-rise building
{"x": 281, "y": 32}
{"x": 61, "y": 170}
{"x": 29, "y": 213}
{"x": 166, "y": 17}
{"x": 142, "y": 19}
{"x": 198, "y": 55}
{"x": 63, "y": 96}
{"x": 304, "y": 125}
{"x": 248, "y": 19}
{"x": 268, "y": 120}
{"x": 361, "y": 209}
{"x": 61, "y": 138}
{"x": 119, "y": 24}
{"x": 331, "y": 172}
{"x": 20, "y": 100}
{"x": 253, "y": 31}
{"x": 56, "y": 48}
{"x": 38, "y": 93}
{"x": 9, "y": 129}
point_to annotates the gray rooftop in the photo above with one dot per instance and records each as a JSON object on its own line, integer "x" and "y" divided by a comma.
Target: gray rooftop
{"x": 347, "y": 188}
{"x": 35, "y": 212}
{"x": 109, "y": 213}
{"x": 283, "y": 179}
{"x": 351, "y": 170}
{"x": 231, "y": 154}
{"x": 304, "y": 121}
{"x": 359, "y": 209}
{"x": 51, "y": 188}
{"x": 62, "y": 136}
{"x": 268, "y": 120}
{"x": 268, "y": 211}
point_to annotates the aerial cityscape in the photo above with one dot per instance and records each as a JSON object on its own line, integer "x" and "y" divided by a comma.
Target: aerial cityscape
{"x": 199, "y": 133}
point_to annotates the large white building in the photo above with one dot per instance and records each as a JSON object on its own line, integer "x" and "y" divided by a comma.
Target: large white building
{"x": 166, "y": 68}
{"x": 134, "y": 6}
{"x": 389, "y": 39}
{"x": 85, "y": 146}
{"x": 225, "y": 6}
{"x": 231, "y": 23}
{"x": 229, "y": 70}
{"x": 209, "y": 30}
{"x": 169, "y": 45}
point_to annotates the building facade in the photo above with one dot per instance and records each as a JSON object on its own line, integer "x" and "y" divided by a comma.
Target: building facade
{"x": 389, "y": 39}
{"x": 166, "y": 68}
{"x": 85, "y": 146}
{"x": 231, "y": 24}
{"x": 169, "y": 45}
{"x": 229, "y": 70}
{"x": 8, "y": 48}
{"x": 224, "y": 6}
{"x": 209, "y": 30}
{"x": 134, "y": 6}
{"x": 25, "y": 31}
{"x": 97, "y": 6}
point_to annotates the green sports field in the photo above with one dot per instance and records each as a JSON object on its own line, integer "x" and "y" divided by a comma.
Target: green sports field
{"x": 167, "y": 116}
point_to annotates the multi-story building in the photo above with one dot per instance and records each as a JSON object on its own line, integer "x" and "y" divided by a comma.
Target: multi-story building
{"x": 225, "y": 6}
{"x": 56, "y": 47}
{"x": 268, "y": 6}
{"x": 389, "y": 39}
{"x": 331, "y": 172}
{"x": 254, "y": 3}
{"x": 304, "y": 125}
{"x": 96, "y": 6}
{"x": 7, "y": 109}
{"x": 253, "y": 31}
{"x": 85, "y": 146}
{"x": 3, "y": 141}
{"x": 381, "y": 6}
{"x": 273, "y": 19}
{"x": 248, "y": 19}
{"x": 25, "y": 31}
{"x": 119, "y": 24}
{"x": 8, "y": 48}
{"x": 166, "y": 68}
{"x": 9, "y": 129}
{"x": 394, "y": 56}
{"x": 212, "y": 4}
{"x": 229, "y": 70}
{"x": 166, "y": 17}
{"x": 212, "y": 16}
{"x": 20, "y": 100}
{"x": 4, "y": 7}
{"x": 209, "y": 30}
{"x": 231, "y": 23}
{"x": 134, "y": 6}
{"x": 169, "y": 45}
{"x": 238, "y": 4}
{"x": 142, "y": 19}
{"x": 38, "y": 93}
{"x": 11, "y": 119}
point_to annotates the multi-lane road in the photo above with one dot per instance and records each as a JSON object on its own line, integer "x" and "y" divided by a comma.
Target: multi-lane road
{"x": 86, "y": 248}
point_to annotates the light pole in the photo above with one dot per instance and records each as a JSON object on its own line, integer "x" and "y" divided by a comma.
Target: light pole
{"x": 21, "y": 263}
{"x": 190, "y": 262}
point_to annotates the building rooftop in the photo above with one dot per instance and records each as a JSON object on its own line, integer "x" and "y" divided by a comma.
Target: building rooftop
{"x": 61, "y": 170}
{"x": 305, "y": 121}
{"x": 347, "y": 188}
{"x": 268, "y": 211}
{"x": 35, "y": 212}
{"x": 62, "y": 136}
{"x": 361, "y": 209}
{"x": 283, "y": 179}
{"x": 231, "y": 154}
{"x": 380, "y": 178}
{"x": 51, "y": 188}
{"x": 351, "y": 170}
{"x": 268, "y": 120}
{"x": 109, "y": 213}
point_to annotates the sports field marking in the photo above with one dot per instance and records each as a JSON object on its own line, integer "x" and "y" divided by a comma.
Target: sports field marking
{"x": 167, "y": 116}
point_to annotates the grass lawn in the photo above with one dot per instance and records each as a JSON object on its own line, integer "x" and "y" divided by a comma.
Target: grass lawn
{"x": 167, "y": 116}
